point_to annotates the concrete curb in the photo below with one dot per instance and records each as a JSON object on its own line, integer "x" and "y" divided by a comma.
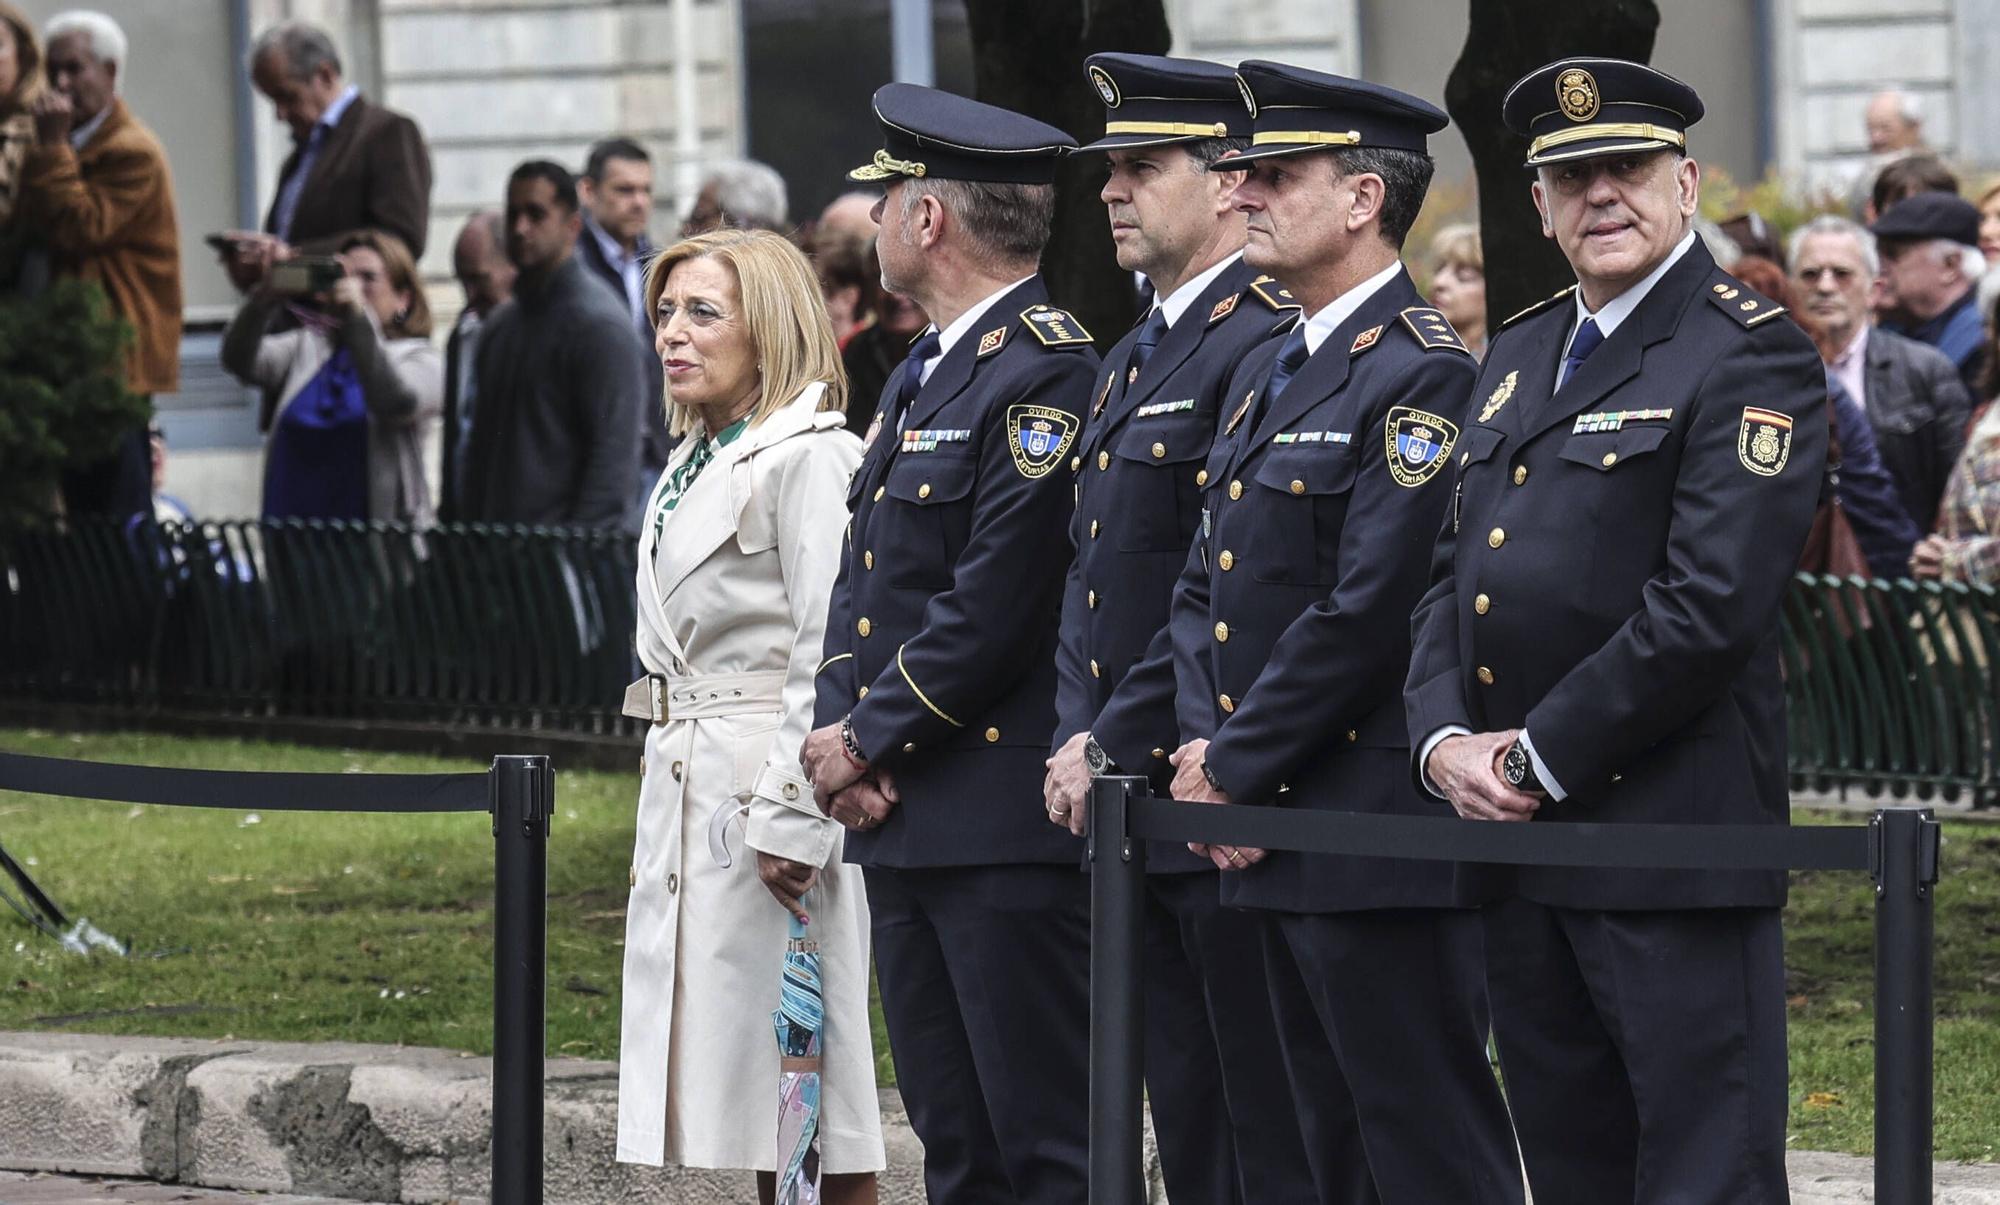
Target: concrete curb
{"x": 411, "y": 1126}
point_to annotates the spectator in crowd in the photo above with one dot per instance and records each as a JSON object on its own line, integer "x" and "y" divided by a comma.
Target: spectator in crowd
{"x": 1989, "y": 222}
{"x": 166, "y": 507}
{"x": 1989, "y": 373}
{"x": 1753, "y": 235}
{"x": 1894, "y": 126}
{"x": 1866, "y": 491}
{"x": 99, "y": 195}
{"x": 1912, "y": 395}
{"x": 733, "y": 611}
{"x": 555, "y": 436}
{"x": 851, "y": 214}
{"x": 353, "y": 166}
{"x": 20, "y": 86}
{"x": 479, "y": 263}
{"x": 742, "y": 193}
{"x": 1458, "y": 283}
{"x": 1906, "y": 177}
{"x": 1966, "y": 546}
{"x": 849, "y": 279}
{"x": 359, "y": 383}
{"x": 1930, "y": 265}
{"x": 617, "y": 193}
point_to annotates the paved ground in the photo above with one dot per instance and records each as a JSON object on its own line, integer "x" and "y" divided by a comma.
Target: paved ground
{"x": 31, "y": 1188}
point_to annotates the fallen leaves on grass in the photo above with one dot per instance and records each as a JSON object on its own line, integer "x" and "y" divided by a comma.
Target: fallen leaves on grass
{"x": 1822, "y": 1100}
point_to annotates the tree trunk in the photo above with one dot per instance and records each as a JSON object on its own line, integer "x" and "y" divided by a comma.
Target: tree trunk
{"x": 1027, "y": 56}
{"x": 1505, "y": 40}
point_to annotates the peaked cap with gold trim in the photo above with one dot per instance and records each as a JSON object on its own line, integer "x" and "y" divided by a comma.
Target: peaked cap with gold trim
{"x": 1294, "y": 110}
{"x": 928, "y": 133}
{"x": 1581, "y": 108}
{"x": 1150, "y": 100}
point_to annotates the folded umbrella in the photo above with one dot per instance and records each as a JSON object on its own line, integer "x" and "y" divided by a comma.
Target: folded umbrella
{"x": 799, "y": 1019}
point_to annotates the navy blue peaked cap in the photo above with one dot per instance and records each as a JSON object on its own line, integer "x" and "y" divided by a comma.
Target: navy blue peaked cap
{"x": 1151, "y": 100}
{"x": 1294, "y": 110}
{"x": 1580, "y": 108}
{"x": 926, "y": 132}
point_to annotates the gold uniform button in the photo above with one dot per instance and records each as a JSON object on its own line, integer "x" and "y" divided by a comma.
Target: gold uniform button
{"x": 1520, "y": 474}
{"x": 1482, "y": 604}
{"x": 1227, "y": 560}
{"x": 1103, "y": 461}
{"x": 1485, "y": 676}
{"x": 868, "y": 559}
{"x": 1298, "y": 487}
{"x": 1610, "y": 458}
{"x": 879, "y": 491}
{"x": 1222, "y": 633}
{"x": 1228, "y": 704}
{"x": 1075, "y": 463}
{"x": 992, "y": 736}
{"x": 1464, "y": 458}
{"x": 911, "y": 747}
{"x": 1159, "y": 451}
{"x": 862, "y": 693}
{"x": 1201, "y": 477}
{"x": 863, "y": 626}
{"x": 1093, "y": 529}
{"x": 1352, "y": 735}
{"x": 1090, "y": 600}
{"x": 1160, "y": 753}
{"x": 1495, "y": 538}
{"x": 1235, "y": 490}
{"x": 924, "y": 490}
{"x": 1095, "y": 672}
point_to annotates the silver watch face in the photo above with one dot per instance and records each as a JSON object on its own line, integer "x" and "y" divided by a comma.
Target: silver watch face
{"x": 1515, "y": 766}
{"x": 1094, "y": 758}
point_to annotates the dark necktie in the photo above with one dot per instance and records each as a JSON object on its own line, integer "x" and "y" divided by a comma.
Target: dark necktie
{"x": 1149, "y": 342}
{"x": 912, "y": 374}
{"x": 1291, "y": 357}
{"x": 1586, "y": 340}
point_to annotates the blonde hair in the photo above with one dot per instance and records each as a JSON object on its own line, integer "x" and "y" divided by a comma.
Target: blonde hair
{"x": 1987, "y": 194}
{"x": 27, "y": 57}
{"x": 1457, "y": 246}
{"x": 782, "y": 309}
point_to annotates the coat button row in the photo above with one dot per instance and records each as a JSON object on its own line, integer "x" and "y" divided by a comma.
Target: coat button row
{"x": 1482, "y": 604}
{"x": 862, "y": 626}
{"x": 1520, "y": 474}
{"x": 1075, "y": 463}
{"x": 1228, "y": 704}
{"x": 862, "y": 693}
{"x": 1222, "y": 633}
{"x": 1485, "y": 676}
{"x": 868, "y": 559}
{"x": 1090, "y": 600}
{"x": 1201, "y": 477}
{"x": 1095, "y": 672}
{"x": 1159, "y": 451}
{"x": 1227, "y": 560}
{"x": 1298, "y": 487}
{"x": 1495, "y": 538}
{"x": 992, "y": 736}
{"x": 1235, "y": 490}
{"x": 1103, "y": 461}
{"x": 924, "y": 490}
{"x": 1093, "y": 529}
{"x": 879, "y": 491}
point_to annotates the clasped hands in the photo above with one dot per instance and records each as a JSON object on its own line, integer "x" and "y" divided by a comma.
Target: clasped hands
{"x": 856, "y": 794}
{"x": 1466, "y": 768}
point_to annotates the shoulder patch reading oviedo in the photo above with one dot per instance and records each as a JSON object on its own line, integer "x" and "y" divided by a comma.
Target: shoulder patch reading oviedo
{"x": 1431, "y": 329}
{"x": 1419, "y": 444}
{"x": 1039, "y": 437}
{"x": 1273, "y": 294}
{"x": 1054, "y": 327}
{"x": 1741, "y": 303}
{"x": 1764, "y": 441}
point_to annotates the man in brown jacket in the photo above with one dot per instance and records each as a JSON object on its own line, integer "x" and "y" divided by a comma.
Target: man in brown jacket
{"x": 97, "y": 189}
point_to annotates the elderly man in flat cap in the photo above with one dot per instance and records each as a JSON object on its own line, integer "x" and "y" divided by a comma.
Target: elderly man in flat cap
{"x": 936, "y": 701}
{"x": 1600, "y": 644}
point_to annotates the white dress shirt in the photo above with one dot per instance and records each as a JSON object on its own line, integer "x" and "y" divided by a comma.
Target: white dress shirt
{"x": 1177, "y": 304}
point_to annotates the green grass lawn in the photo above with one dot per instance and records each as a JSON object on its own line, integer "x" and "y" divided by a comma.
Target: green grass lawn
{"x": 379, "y": 929}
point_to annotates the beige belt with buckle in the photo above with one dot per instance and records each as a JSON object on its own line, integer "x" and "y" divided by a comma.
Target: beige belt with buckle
{"x": 662, "y": 698}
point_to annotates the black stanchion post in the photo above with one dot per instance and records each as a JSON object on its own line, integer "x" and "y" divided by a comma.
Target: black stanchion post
{"x": 1117, "y": 1029}
{"x": 523, "y": 793}
{"x": 1905, "y": 842}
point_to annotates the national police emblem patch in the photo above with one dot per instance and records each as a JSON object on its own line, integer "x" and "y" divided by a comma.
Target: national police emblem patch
{"x": 1419, "y": 444}
{"x": 1764, "y": 441}
{"x": 1041, "y": 437}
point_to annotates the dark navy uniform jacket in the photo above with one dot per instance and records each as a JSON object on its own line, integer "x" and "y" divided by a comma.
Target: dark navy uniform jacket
{"x": 1138, "y": 505}
{"x": 1290, "y": 623}
{"x": 941, "y": 631}
{"x": 1612, "y": 576}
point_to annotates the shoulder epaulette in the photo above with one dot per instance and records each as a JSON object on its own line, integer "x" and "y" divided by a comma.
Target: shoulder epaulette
{"x": 1054, "y": 327}
{"x": 1431, "y": 329}
{"x": 1742, "y": 302}
{"x": 1538, "y": 307}
{"x": 1273, "y": 294}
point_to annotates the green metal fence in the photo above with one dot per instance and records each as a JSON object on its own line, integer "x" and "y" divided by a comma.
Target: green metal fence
{"x": 1891, "y": 685}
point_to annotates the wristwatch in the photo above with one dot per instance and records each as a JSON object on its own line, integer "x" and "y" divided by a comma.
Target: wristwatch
{"x": 1519, "y": 769}
{"x": 1096, "y": 760}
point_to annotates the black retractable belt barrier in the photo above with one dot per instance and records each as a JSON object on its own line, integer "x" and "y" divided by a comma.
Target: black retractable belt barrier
{"x": 1899, "y": 847}
{"x": 519, "y": 792}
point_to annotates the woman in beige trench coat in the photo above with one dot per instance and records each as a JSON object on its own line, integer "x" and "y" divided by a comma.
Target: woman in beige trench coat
{"x": 738, "y": 551}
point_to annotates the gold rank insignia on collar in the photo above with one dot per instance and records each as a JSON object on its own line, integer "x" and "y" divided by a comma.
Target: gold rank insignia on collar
{"x": 1240, "y": 412}
{"x": 1224, "y": 308}
{"x": 1499, "y": 396}
{"x": 1431, "y": 329}
{"x": 990, "y": 341}
{"x": 1104, "y": 394}
{"x": 1054, "y": 327}
{"x": 1537, "y": 308}
{"x": 1273, "y": 294}
{"x": 1365, "y": 340}
{"x": 1751, "y": 310}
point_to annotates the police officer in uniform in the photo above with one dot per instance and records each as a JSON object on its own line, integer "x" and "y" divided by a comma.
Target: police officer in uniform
{"x": 1600, "y": 644}
{"x": 1221, "y": 1107}
{"x": 1290, "y": 633}
{"x": 936, "y": 702}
